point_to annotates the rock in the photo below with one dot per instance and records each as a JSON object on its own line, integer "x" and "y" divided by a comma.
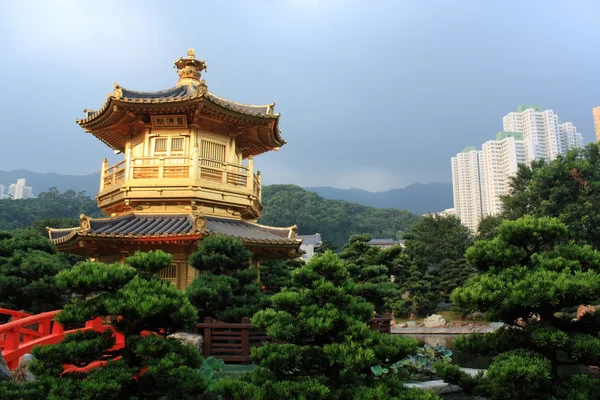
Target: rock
{"x": 435, "y": 321}
{"x": 195, "y": 339}
{"x": 411, "y": 323}
{"x": 402, "y": 325}
{"x": 583, "y": 309}
{"x": 470, "y": 326}
{"x": 412, "y": 317}
{"x": 476, "y": 316}
{"x": 21, "y": 373}
{"x": 5, "y": 374}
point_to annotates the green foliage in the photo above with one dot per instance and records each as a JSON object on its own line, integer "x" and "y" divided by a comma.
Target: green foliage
{"x": 28, "y": 265}
{"x": 51, "y": 208}
{"x": 567, "y": 188}
{"x": 275, "y": 275}
{"x": 435, "y": 247}
{"x": 434, "y": 239}
{"x": 418, "y": 366}
{"x": 151, "y": 365}
{"x": 488, "y": 227}
{"x": 220, "y": 254}
{"x": 328, "y": 347}
{"x": 232, "y": 292}
{"x": 369, "y": 267}
{"x": 532, "y": 276}
{"x": 517, "y": 375}
{"x": 335, "y": 220}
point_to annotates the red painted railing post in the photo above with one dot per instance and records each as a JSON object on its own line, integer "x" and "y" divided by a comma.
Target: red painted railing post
{"x": 12, "y": 339}
{"x": 95, "y": 324}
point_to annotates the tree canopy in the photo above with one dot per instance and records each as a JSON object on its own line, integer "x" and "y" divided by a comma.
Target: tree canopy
{"x": 335, "y": 220}
{"x": 150, "y": 365}
{"x": 52, "y": 206}
{"x": 28, "y": 266}
{"x": 323, "y": 346}
{"x": 434, "y": 239}
{"x": 567, "y": 188}
{"x": 228, "y": 288}
{"x": 532, "y": 277}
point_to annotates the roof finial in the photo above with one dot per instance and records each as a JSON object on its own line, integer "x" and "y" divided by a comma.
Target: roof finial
{"x": 189, "y": 69}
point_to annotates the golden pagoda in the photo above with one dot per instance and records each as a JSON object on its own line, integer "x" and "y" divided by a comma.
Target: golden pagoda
{"x": 187, "y": 172}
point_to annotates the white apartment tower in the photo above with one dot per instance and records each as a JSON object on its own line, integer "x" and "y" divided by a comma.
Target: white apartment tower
{"x": 1, "y": 192}
{"x": 501, "y": 158}
{"x": 468, "y": 181}
{"x": 20, "y": 190}
{"x": 544, "y": 136}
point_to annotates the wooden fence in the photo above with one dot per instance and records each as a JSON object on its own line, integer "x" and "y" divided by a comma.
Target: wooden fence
{"x": 231, "y": 342}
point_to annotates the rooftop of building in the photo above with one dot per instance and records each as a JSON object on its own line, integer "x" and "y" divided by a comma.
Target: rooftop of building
{"x": 161, "y": 226}
{"x": 314, "y": 240}
{"x": 504, "y": 135}
{"x": 524, "y": 107}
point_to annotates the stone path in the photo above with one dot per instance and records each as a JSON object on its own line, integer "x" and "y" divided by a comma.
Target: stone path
{"x": 447, "y": 330}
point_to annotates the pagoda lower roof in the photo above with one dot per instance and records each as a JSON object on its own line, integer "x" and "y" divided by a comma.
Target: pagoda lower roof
{"x": 160, "y": 226}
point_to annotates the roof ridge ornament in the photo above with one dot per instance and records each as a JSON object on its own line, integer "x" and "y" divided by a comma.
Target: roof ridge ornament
{"x": 189, "y": 69}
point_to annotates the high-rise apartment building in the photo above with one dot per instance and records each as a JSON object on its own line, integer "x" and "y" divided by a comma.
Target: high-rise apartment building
{"x": 501, "y": 158}
{"x": 481, "y": 178}
{"x": 596, "y": 114}
{"x": 20, "y": 190}
{"x": 2, "y": 192}
{"x": 544, "y": 136}
{"x": 468, "y": 181}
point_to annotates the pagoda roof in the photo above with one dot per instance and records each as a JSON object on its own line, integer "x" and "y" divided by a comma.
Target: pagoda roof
{"x": 182, "y": 225}
{"x": 121, "y": 107}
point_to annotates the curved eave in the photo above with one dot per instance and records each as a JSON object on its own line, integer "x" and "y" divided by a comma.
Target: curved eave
{"x": 71, "y": 239}
{"x": 283, "y": 241}
{"x": 214, "y": 99}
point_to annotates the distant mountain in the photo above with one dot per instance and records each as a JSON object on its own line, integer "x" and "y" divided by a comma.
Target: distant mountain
{"x": 417, "y": 198}
{"x": 42, "y": 182}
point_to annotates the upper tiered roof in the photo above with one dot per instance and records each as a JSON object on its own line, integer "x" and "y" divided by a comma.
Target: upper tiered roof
{"x": 127, "y": 112}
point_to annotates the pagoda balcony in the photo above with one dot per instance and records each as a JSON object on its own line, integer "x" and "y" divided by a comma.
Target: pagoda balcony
{"x": 181, "y": 177}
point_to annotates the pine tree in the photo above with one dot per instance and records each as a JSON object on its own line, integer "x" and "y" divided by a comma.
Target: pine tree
{"x": 228, "y": 289}
{"x": 322, "y": 345}
{"x": 28, "y": 265}
{"x": 144, "y": 309}
{"x": 532, "y": 279}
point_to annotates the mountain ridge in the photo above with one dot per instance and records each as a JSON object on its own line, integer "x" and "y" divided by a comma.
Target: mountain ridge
{"x": 417, "y": 198}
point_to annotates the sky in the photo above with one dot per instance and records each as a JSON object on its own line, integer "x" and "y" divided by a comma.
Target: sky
{"x": 373, "y": 94}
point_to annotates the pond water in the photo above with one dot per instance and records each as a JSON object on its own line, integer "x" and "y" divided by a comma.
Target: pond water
{"x": 464, "y": 359}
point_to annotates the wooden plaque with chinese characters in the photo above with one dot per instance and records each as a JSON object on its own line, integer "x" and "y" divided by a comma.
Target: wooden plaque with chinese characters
{"x": 169, "y": 121}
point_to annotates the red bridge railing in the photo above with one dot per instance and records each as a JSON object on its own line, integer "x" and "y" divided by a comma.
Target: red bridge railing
{"x": 19, "y": 336}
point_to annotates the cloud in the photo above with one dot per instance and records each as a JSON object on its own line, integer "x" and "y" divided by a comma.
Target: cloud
{"x": 372, "y": 179}
{"x": 72, "y": 28}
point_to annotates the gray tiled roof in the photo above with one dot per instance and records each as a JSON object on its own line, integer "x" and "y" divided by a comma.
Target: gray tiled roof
{"x": 181, "y": 92}
{"x": 243, "y": 229}
{"x": 174, "y": 92}
{"x": 165, "y": 225}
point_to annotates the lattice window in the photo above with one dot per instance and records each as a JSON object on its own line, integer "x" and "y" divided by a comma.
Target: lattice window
{"x": 160, "y": 145}
{"x": 212, "y": 157}
{"x": 177, "y": 144}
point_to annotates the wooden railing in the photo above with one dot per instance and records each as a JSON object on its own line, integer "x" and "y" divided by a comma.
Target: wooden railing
{"x": 113, "y": 175}
{"x": 181, "y": 167}
{"x": 232, "y": 342}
